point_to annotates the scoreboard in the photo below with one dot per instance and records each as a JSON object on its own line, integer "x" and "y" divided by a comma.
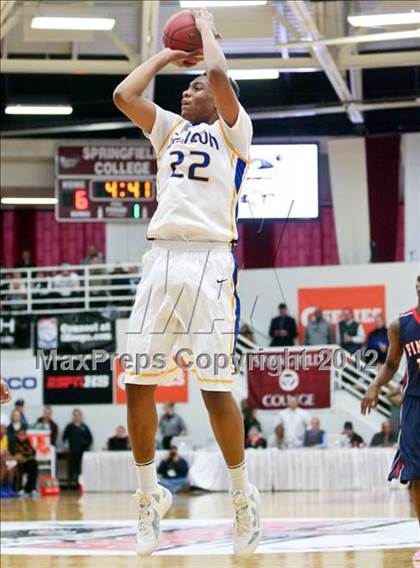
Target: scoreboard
{"x": 105, "y": 182}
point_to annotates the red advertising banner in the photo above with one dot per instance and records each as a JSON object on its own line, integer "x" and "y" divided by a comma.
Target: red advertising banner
{"x": 275, "y": 374}
{"x": 177, "y": 391}
{"x": 365, "y": 301}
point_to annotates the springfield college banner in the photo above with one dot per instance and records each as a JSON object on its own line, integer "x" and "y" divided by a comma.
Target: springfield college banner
{"x": 276, "y": 373}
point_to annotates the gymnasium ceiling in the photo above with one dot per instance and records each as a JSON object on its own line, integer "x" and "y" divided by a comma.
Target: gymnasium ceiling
{"x": 345, "y": 86}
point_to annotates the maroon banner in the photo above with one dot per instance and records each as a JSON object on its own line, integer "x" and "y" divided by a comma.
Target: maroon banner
{"x": 276, "y": 374}
{"x": 110, "y": 160}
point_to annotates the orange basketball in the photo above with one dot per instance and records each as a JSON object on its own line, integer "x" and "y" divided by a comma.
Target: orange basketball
{"x": 180, "y": 32}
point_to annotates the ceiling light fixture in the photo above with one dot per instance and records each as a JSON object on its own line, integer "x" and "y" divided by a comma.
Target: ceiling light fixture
{"x": 372, "y": 20}
{"x": 39, "y": 109}
{"x": 28, "y": 200}
{"x": 61, "y": 23}
{"x": 220, "y": 3}
{"x": 249, "y": 74}
{"x": 243, "y": 74}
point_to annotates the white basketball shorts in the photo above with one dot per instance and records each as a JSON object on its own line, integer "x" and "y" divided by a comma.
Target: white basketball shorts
{"x": 186, "y": 313}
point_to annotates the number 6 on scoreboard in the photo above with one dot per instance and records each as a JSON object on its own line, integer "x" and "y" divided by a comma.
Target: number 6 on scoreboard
{"x": 81, "y": 201}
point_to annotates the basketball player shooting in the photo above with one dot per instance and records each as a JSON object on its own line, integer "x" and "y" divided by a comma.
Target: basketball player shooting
{"x": 404, "y": 336}
{"x": 188, "y": 287}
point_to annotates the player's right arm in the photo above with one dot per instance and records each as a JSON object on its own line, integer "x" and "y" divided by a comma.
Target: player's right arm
{"x": 128, "y": 94}
{"x": 387, "y": 371}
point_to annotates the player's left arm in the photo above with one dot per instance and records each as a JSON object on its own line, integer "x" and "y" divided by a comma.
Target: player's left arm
{"x": 387, "y": 371}
{"x": 216, "y": 67}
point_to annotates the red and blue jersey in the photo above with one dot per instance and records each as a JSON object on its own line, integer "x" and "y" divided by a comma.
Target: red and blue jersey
{"x": 410, "y": 340}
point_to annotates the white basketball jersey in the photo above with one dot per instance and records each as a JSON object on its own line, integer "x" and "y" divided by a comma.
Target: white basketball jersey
{"x": 200, "y": 171}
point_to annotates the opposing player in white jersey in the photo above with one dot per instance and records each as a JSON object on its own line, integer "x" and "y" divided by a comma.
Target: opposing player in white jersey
{"x": 187, "y": 296}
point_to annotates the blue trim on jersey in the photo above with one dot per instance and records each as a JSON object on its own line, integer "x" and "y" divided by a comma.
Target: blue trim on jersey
{"x": 237, "y": 302}
{"x": 239, "y": 173}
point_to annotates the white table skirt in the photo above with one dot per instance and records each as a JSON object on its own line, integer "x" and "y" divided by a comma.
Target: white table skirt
{"x": 271, "y": 469}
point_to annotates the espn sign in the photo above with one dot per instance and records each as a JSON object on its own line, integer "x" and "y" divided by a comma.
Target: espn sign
{"x": 74, "y": 387}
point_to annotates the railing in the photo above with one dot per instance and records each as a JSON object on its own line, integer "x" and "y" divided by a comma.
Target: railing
{"x": 53, "y": 289}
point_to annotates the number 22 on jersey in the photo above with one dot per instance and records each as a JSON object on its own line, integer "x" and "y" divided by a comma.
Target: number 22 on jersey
{"x": 202, "y": 160}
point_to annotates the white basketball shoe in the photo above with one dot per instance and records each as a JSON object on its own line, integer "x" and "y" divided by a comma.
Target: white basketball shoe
{"x": 152, "y": 508}
{"x": 247, "y": 526}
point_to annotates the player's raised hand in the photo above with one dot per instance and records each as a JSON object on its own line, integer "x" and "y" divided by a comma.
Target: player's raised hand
{"x": 370, "y": 400}
{"x": 184, "y": 58}
{"x": 203, "y": 18}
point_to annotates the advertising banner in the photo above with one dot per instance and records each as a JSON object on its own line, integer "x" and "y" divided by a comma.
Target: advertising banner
{"x": 365, "y": 301}
{"x": 275, "y": 374}
{"x": 75, "y": 333}
{"x": 175, "y": 392}
{"x": 19, "y": 371}
{"x": 76, "y": 387}
{"x": 15, "y": 332}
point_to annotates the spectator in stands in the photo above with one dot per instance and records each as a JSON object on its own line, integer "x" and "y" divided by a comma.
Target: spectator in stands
{"x": 96, "y": 284}
{"x": 377, "y": 343}
{"x": 386, "y": 437}
{"x": 250, "y": 419}
{"x": 170, "y": 425}
{"x": 120, "y": 441}
{"x": 41, "y": 288}
{"x": 283, "y": 329}
{"x": 17, "y": 291}
{"x": 65, "y": 284}
{"x": 247, "y": 332}
{"x": 26, "y": 260}
{"x": 315, "y": 437}
{"x": 295, "y": 421}
{"x": 92, "y": 254}
{"x": 16, "y": 424}
{"x": 173, "y": 471}
{"x": 24, "y": 454}
{"x": 277, "y": 440}
{"x": 120, "y": 280}
{"x": 319, "y": 331}
{"x": 20, "y": 406}
{"x": 350, "y": 334}
{"x": 8, "y": 467}
{"x": 79, "y": 438}
{"x": 351, "y": 439}
{"x": 133, "y": 278}
{"x": 255, "y": 439}
{"x": 46, "y": 421}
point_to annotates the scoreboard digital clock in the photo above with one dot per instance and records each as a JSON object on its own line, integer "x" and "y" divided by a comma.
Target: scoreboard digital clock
{"x": 128, "y": 190}
{"x": 85, "y": 194}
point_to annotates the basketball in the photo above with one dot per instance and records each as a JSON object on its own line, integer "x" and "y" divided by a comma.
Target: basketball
{"x": 180, "y": 32}
{"x": 209, "y": 302}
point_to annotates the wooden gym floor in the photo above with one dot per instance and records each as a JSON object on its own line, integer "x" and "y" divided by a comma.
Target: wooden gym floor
{"x": 308, "y": 505}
